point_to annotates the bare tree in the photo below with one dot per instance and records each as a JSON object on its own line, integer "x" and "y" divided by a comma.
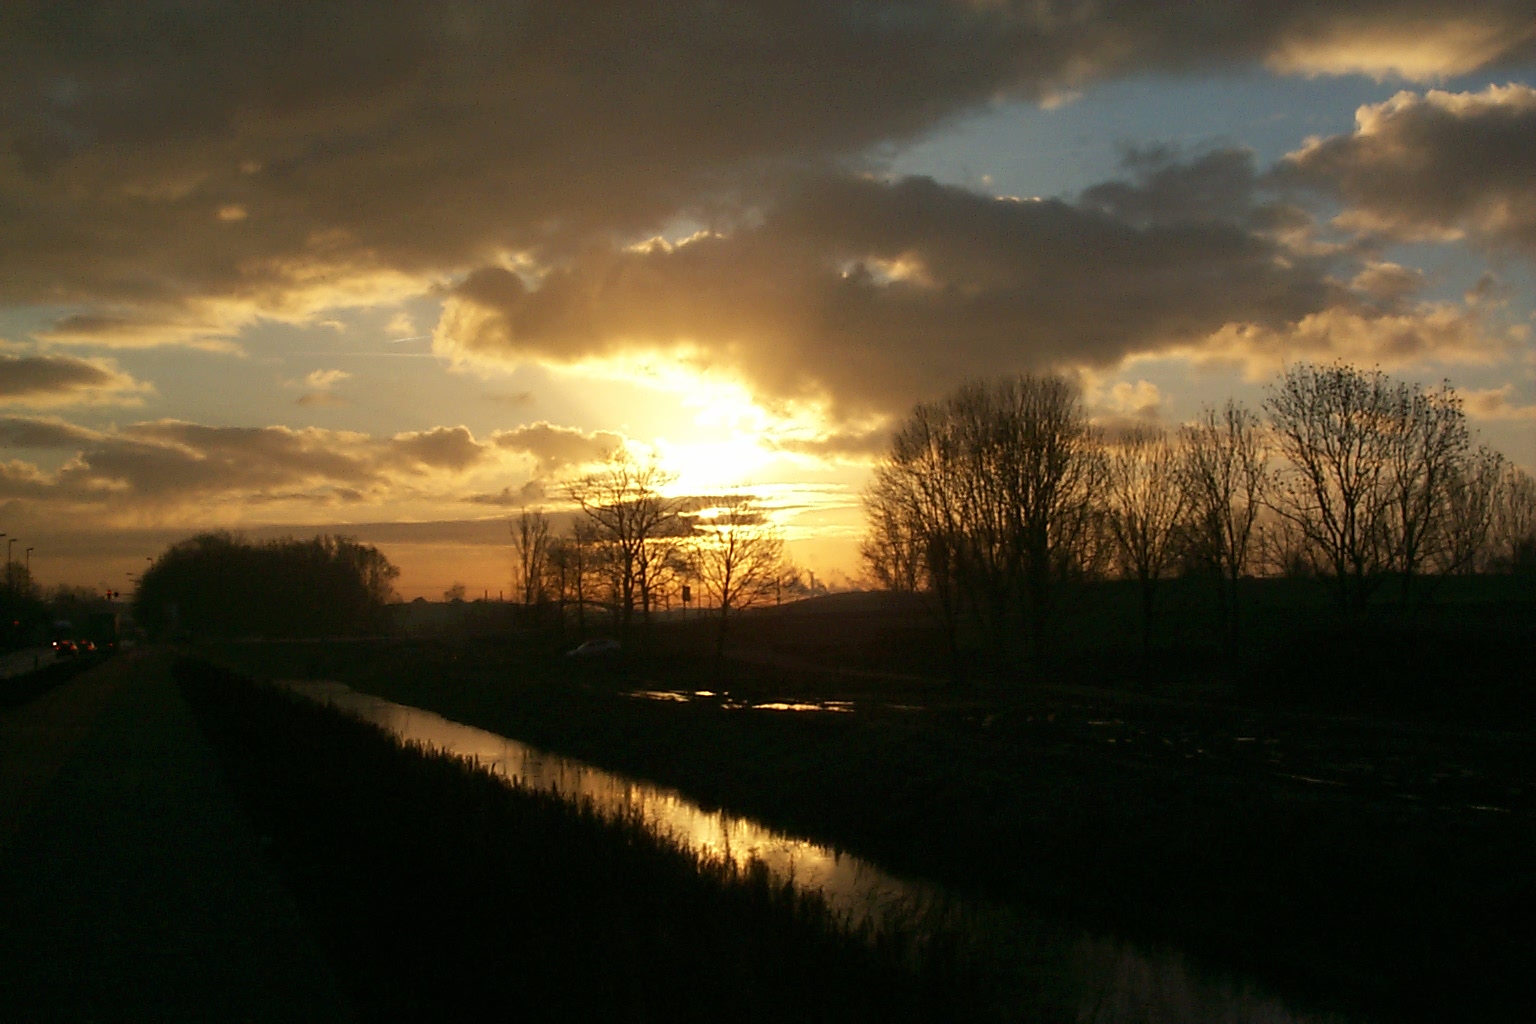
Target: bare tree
{"x": 1514, "y": 531}
{"x": 1370, "y": 464}
{"x": 1332, "y": 426}
{"x": 531, "y": 543}
{"x": 738, "y": 559}
{"x": 1145, "y": 500}
{"x": 624, "y": 504}
{"x": 1427, "y": 444}
{"x": 997, "y": 487}
{"x": 892, "y": 551}
{"x": 916, "y": 500}
{"x": 1224, "y": 468}
{"x": 1471, "y": 513}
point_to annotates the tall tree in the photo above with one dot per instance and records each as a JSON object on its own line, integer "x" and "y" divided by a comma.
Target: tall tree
{"x": 1471, "y": 514}
{"x": 1428, "y": 444}
{"x": 1329, "y": 424}
{"x": 998, "y": 486}
{"x": 1224, "y": 468}
{"x": 1370, "y": 465}
{"x": 1145, "y": 499}
{"x": 530, "y": 543}
{"x": 1514, "y": 530}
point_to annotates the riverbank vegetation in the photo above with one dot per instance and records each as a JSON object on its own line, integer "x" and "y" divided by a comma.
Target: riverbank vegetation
{"x": 438, "y": 891}
{"x": 1353, "y": 860}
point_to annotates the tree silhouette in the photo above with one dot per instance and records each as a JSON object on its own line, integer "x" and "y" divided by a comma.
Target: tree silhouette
{"x": 531, "y": 548}
{"x": 1145, "y": 500}
{"x": 738, "y": 558}
{"x": 999, "y": 486}
{"x": 1375, "y": 472}
{"x": 1224, "y": 470}
{"x": 218, "y": 584}
{"x": 624, "y": 505}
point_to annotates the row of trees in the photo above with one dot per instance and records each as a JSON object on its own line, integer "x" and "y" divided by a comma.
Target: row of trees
{"x": 631, "y": 548}
{"x": 219, "y": 584}
{"x": 992, "y": 498}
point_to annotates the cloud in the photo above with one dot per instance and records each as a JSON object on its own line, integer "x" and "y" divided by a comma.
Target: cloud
{"x": 165, "y": 468}
{"x": 64, "y": 380}
{"x": 870, "y": 295}
{"x": 1214, "y": 187}
{"x": 1425, "y": 43}
{"x": 314, "y": 398}
{"x": 1429, "y": 333}
{"x": 32, "y": 432}
{"x": 1388, "y": 283}
{"x": 841, "y": 445}
{"x": 555, "y": 448}
{"x": 324, "y": 379}
{"x": 1497, "y": 404}
{"x": 171, "y": 179}
{"x": 532, "y": 491}
{"x": 1439, "y": 165}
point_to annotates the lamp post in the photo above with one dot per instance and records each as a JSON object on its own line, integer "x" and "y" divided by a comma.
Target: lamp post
{"x": 8, "y": 558}
{"x": 29, "y": 561}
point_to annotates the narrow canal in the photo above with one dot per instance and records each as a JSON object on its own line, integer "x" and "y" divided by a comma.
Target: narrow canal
{"x": 1108, "y": 981}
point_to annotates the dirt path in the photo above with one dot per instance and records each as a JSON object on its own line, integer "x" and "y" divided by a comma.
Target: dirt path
{"x": 130, "y": 886}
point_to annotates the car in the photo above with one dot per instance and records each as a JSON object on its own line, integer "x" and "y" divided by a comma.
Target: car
{"x": 603, "y": 647}
{"x": 65, "y": 648}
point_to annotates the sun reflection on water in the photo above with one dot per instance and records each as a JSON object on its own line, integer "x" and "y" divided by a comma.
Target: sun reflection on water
{"x": 1114, "y": 981}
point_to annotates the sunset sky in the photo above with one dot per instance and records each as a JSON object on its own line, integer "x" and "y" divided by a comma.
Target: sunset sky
{"x": 396, "y": 271}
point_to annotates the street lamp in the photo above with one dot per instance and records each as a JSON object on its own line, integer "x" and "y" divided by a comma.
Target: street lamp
{"x": 29, "y": 562}
{"x": 8, "y": 544}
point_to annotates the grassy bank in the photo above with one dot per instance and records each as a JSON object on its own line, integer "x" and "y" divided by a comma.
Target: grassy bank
{"x": 1349, "y": 860}
{"x": 438, "y": 892}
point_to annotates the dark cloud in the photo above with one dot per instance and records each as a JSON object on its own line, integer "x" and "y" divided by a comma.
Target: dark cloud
{"x": 557, "y": 447}
{"x": 872, "y": 294}
{"x": 62, "y": 380}
{"x": 1434, "y": 165}
{"x": 171, "y": 467}
{"x": 532, "y": 491}
{"x": 180, "y": 168}
{"x": 1167, "y": 188}
{"x": 847, "y": 445}
{"x": 451, "y": 448}
{"x": 31, "y": 432}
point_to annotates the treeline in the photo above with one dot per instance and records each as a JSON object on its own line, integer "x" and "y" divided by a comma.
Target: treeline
{"x": 221, "y": 585}
{"x": 994, "y": 499}
{"x": 632, "y": 549}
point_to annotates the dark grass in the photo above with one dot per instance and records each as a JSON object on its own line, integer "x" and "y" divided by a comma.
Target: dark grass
{"x": 439, "y": 892}
{"x": 1391, "y": 894}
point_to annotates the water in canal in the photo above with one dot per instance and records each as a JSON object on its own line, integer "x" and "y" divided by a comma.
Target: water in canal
{"x": 1106, "y": 980}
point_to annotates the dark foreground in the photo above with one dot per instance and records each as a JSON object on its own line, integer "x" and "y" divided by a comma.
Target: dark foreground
{"x": 1354, "y": 862}
{"x": 438, "y": 892}
{"x": 131, "y": 885}
{"x": 181, "y": 843}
